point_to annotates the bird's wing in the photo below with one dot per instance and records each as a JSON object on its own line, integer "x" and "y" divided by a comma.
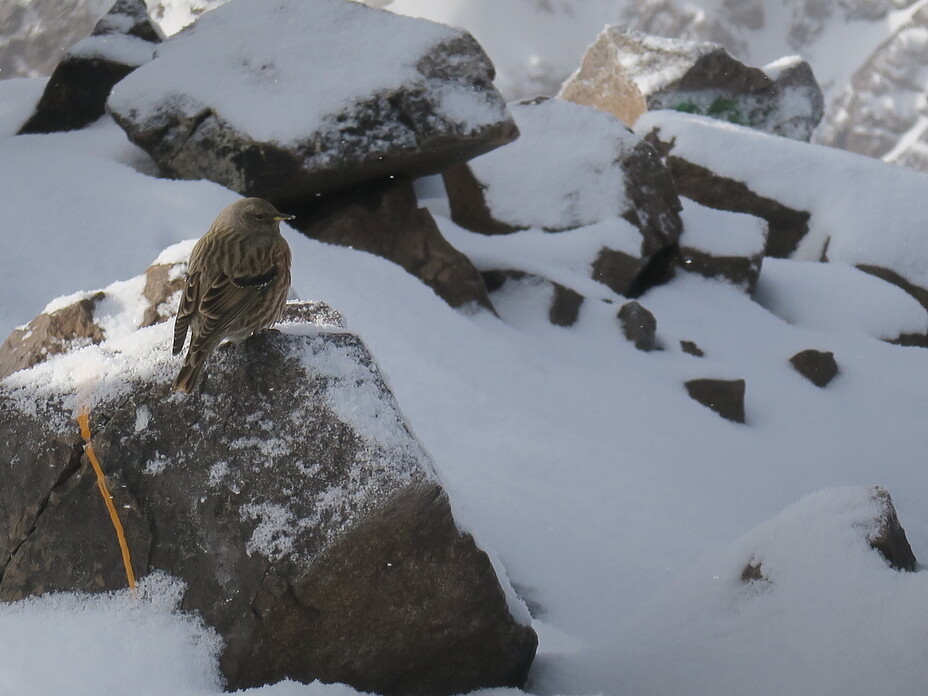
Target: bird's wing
{"x": 188, "y": 305}
{"x": 224, "y": 301}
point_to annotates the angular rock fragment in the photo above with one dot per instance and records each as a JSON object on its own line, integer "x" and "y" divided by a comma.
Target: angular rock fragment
{"x": 817, "y": 366}
{"x": 724, "y": 396}
{"x": 639, "y": 326}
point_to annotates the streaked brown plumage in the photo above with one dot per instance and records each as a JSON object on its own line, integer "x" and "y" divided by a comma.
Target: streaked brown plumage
{"x": 238, "y": 276}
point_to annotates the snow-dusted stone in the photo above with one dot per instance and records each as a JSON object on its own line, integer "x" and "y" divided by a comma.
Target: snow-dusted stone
{"x": 290, "y": 495}
{"x": 785, "y": 226}
{"x": 564, "y": 305}
{"x": 817, "y": 366}
{"x": 386, "y": 220}
{"x": 259, "y": 96}
{"x": 639, "y": 326}
{"x": 51, "y": 333}
{"x": 627, "y": 74}
{"x": 573, "y": 166}
{"x": 723, "y": 245}
{"x": 76, "y": 93}
{"x": 724, "y": 396}
{"x": 857, "y": 211}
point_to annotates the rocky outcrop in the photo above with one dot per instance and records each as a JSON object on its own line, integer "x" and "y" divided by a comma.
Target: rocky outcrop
{"x": 76, "y": 93}
{"x": 574, "y": 167}
{"x": 289, "y": 124}
{"x": 627, "y": 74}
{"x": 315, "y": 537}
{"x": 724, "y": 396}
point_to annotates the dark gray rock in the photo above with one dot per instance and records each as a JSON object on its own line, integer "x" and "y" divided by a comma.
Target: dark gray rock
{"x": 386, "y": 220}
{"x": 691, "y": 348}
{"x": 315, "y": 538}
{"x": 639, "y": 326}
{"x": 817, "y": 366}
{"x": 436, "y": 107}
{"x": 565, "y": 307}
{"x": 724, "y": 396}
{"x": 76, "y": 93}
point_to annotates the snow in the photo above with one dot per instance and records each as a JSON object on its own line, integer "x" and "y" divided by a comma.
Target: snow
{"x": 815, "y": 295}
{"x": 116, "y": 48}
{"x": 107, "y": 643}
{"x": 608, "y": 497}
{"x": 721, "y": 233}
{"x": 18, "y": 97}
{"x": 780, "y": 634}
{"x": 563, "y": 171}
{"x": 255, "y": 59}
{"x": 849, "y": 196}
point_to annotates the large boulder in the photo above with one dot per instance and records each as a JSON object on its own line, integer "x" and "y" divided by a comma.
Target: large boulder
{"x": 289, "y": 494}
{"x": 821, "y": 204}
{"x": 575, "y": 167}
{"x": 250, "y": 97}
{"x": 627, "y": 74}
{"x": 76, "y": 93}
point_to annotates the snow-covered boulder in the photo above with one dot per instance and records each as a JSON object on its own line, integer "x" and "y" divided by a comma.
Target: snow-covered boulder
{"x": 720, "y": 244}
{"x": 76, "y": 93}
{"x": 573, "y": 167}
{"x": 627, "y": 74}
{"x": 290, "y": 496}
{"x": 812, "y": 596}
{"x": 856, "y": 210}
{"x": 254, "y": 96}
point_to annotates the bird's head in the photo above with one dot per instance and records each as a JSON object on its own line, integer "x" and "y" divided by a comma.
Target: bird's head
{"x": 257, "y": 214}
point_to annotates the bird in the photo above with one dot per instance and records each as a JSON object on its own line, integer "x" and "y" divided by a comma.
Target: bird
{"x": 237, "y": 280}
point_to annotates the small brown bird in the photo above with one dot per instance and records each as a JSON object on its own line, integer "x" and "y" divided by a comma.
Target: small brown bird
{"x": 238, "y": 276}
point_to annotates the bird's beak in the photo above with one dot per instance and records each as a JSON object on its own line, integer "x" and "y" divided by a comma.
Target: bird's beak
{"x": 282, "y": 218}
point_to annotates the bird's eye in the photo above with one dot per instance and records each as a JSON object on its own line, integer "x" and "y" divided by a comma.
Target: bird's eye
{"x": 260, "y": 216}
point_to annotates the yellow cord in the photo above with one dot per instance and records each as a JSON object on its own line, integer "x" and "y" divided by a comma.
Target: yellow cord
{"x": 83, "y": 420}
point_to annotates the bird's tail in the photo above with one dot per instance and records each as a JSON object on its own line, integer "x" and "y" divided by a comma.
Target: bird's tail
{"x": 189, "y": 374}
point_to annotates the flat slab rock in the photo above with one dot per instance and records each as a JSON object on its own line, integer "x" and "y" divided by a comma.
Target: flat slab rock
{"x": 250, "y": 97}
{"x": 289, "y": 494}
